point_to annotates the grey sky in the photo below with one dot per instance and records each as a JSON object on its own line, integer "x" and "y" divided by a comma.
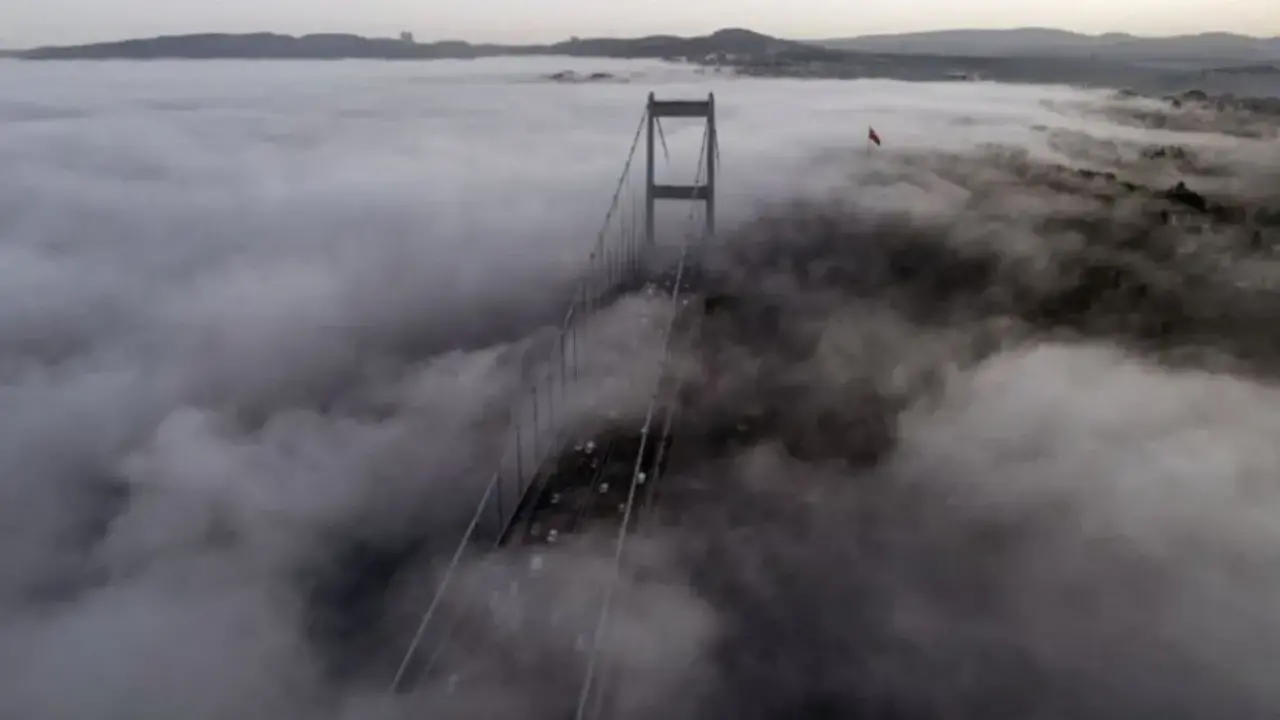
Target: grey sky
{"x": 31, "y": 22}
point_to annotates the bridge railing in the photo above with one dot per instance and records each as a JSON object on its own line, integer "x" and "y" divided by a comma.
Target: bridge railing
{"x": 537, "y": 428}
{"x": 538, "y": 424}
{"x": 618, "y": 262}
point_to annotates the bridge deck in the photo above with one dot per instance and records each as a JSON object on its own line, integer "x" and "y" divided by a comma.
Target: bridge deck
{"x": 587, "y": 487}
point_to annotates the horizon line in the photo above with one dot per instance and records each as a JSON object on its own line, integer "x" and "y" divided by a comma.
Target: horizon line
{"x": 828, "y": 37}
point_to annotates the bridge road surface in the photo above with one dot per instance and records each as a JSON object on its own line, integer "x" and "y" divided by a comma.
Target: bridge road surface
{"x": 584, "y": 489}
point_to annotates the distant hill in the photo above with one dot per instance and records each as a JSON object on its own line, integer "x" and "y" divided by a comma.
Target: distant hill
{"x": 1210, "y": 49}
{"x": 1225, "y": 64}
{"x": 729, "y": 42}
{"x": 1047, "y": 42}
{"x": 255, "y": 46}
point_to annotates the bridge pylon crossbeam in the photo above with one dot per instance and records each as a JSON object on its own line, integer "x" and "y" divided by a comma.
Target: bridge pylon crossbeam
{"x": 704, "y": 191}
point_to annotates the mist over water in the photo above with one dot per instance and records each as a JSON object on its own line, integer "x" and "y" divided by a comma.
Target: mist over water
{"x": 1010, "y": 446}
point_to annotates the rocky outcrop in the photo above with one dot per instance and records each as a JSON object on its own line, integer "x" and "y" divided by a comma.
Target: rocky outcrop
{"x": 1166, "y": 152}
{"x": 569, "y": 76}
{"x": 1269, "y": 106}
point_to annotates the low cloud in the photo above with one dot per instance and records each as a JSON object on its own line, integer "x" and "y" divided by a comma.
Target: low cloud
{"x": 257, "y": 337}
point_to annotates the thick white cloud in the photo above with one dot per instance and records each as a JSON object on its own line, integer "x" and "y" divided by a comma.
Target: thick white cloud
{"x": 248, "y": 310}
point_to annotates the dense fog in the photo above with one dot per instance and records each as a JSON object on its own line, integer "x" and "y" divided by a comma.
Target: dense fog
{"x": 1019, "y": 456}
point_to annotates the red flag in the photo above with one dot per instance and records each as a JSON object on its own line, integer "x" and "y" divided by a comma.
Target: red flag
{"x": 874, "y": 137}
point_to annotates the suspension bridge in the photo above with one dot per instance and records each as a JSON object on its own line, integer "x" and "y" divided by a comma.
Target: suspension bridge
{"x": 546, "y": 486}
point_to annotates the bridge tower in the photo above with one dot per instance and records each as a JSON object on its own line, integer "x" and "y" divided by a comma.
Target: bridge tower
{"x": 704, "y": 187}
